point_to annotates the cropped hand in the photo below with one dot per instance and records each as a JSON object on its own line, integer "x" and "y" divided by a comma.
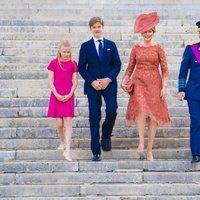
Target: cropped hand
{"x": 181, "y": 96}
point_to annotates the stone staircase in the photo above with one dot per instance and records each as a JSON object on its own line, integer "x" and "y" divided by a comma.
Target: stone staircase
{"x": 30, "y": 165}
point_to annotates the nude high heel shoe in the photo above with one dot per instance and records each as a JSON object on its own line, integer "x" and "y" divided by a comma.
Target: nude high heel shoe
{"x": 150, "y": 156}
{"x": 61, "y": 146}
{"x": 141, "y": 155}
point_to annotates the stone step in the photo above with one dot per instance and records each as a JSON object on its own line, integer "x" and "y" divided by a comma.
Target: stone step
{"x": 141, "y": 189}
{"x": 134, "y": 197}
{"x": 45, "y": 92}
{"x": 9, "y": 67}
{"x": 46, "y": 58}
{"x": 6, "y": 75}
{"x": 18, "y": 83}
{"x": 44, "y": 12}
{"x": 24, "y": 92}
{"x": 99, "y": 189}
{"x": 82, "y": 27}
{"x": 22, "y": 67}
{"x": 80, "y": 111}
{"x": 78, "y": 3}
{"x": 43, "y": 83}
{"x": 117, "y": 143}
{"x": 79, "y": 93}
{"x": 123, "y": 51}
{"x": 40, "y": 191}
{"x": 8, "y": 63}
{"x": 49, "y": 133}
{"x": 35, "y": 75}
{"x": 125, "y": 45}
{"x": 78, "y": 178}
{"x": 84, "y": 154}
{"x": 42, "y": 67}
{"x": 38, "y": 34}
{"x": 59, "y": 30}
{"x": 173, "y": 56}
{"x": 80, "y": 102}
{"x": 77, "y": 122}
{"x": 74, "y": 178}
{"x": 81, "y": 5}
{"x": 130, "y": 165}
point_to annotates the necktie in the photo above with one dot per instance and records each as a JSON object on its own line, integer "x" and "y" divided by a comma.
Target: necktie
{"x": 100, "y": 49}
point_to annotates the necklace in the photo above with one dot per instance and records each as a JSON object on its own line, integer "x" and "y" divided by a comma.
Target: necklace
{"x": 61, "y": 65}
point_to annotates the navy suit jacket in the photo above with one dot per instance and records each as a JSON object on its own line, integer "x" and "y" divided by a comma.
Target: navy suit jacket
{"x": 190, "y": 85}
{"x": 91, "y": 67}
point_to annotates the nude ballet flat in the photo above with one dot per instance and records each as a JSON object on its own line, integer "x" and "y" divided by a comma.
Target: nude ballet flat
{"x": 61, "y": 146}
{"x": 67, "y": 156}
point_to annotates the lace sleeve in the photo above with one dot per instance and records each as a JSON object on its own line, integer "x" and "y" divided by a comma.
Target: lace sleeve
{"x": 163, "y": 62}
{"x": 132, "y": 62}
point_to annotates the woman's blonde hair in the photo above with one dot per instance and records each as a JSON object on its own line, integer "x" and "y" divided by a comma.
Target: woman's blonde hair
{"x": 64, "y": 43}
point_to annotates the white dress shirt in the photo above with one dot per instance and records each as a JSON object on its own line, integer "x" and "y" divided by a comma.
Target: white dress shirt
{"x": 96, "y": 42}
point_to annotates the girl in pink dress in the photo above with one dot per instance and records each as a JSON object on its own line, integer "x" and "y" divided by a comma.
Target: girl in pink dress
{"x": 63, "y": 82}
{"x": 147, "y": 88}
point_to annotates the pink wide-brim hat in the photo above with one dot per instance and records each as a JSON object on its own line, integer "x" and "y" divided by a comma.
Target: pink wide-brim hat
{"x": 145, "y": 22}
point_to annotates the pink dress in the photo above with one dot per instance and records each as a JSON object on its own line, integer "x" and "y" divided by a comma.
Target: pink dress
{"x": 145, "y": 98}
{"x": 63, "y": 84}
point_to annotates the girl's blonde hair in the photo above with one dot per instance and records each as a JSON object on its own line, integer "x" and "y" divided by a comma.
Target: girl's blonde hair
{"x": 64, "y": 43}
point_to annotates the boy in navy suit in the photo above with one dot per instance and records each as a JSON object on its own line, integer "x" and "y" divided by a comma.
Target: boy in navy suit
{"x": 189, "y": 89}
{"x": 99, "y": 64}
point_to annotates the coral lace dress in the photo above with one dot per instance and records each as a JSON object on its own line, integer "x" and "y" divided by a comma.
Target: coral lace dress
{"x": 145, "y": 98}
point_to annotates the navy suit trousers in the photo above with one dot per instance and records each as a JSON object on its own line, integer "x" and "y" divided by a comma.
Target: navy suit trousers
{"x": 194, "y": 109}
{"x": 95, "y": 103}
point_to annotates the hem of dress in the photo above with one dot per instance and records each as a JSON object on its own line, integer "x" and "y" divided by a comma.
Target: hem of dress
{"x": 159, "y": 123}
{"x": 59, "y": 116}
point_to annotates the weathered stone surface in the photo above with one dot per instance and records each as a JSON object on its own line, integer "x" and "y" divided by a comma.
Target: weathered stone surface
{"x": 82, "y": 154}
{"x": 140, "y": 189}
{"x": 39, "y": 190}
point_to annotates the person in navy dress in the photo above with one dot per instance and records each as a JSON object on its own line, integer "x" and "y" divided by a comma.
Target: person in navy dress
{"x": 99, "y": 64}
{"x": 189, "y": 89}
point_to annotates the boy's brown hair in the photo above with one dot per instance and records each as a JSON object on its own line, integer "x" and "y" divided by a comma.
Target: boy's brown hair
{"x": 94, "y": 20}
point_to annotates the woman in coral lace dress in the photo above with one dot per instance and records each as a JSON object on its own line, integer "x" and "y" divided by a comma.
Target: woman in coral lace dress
{"x": 146, "y": 86}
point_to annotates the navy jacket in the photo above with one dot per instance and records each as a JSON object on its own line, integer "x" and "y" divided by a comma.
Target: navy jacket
{"x": 190, "y": 84}
{"x": 92, "y": 68}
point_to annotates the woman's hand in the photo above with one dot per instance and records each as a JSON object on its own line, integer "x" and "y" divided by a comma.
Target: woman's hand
{"x": 181, "y": 96}
{"x": 124, "y": 82}
{"x": 163, "y": 93}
